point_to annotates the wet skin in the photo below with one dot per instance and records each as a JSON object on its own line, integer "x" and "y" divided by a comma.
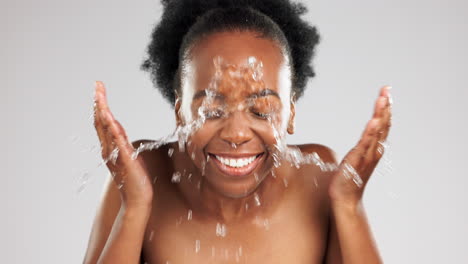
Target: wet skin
{"x": 280, "y": 218}
{"x": 231, "y": 199}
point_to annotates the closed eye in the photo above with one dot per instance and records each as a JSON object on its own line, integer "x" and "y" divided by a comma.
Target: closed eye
{"x": 260, "y": 114}
{"x": 213, "y": 113}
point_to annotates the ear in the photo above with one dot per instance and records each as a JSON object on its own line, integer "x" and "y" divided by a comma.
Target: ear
{"x": 177, "y": 104}
{"x": 292, "y": 116}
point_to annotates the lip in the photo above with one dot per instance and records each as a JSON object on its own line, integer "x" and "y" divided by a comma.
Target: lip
{"x": 237, "y": 172}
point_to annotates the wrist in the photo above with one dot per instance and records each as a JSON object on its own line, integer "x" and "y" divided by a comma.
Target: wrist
{"x": 140, "y": 203}
{"x": 347, "y": 206}
{"x": 136, "y": 207}
{"x": 136, "y": 213}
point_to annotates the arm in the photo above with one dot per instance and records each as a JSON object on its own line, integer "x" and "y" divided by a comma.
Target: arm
{"x": 118, "y": 231}
{"x": 350, "y": 238}
{"x": 110, "y": 232}
{"x": 353, "y": 235}
{"x": 126, "y": 238}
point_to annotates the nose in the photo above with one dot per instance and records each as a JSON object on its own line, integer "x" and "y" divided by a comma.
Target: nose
{"x": 236, "y": 129}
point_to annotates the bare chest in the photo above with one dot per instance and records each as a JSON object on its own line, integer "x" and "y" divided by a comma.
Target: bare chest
{"x": 289, "y": 238}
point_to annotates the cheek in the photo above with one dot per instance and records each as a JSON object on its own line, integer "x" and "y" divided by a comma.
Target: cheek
{"x": 266, "y": 131}
{"x": 200, "y": 138}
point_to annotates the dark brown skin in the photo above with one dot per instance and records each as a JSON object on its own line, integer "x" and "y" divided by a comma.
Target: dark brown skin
{"x": 305, "y": 216}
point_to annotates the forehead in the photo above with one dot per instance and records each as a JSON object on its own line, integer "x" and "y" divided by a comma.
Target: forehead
{"x": 235, "y": 48}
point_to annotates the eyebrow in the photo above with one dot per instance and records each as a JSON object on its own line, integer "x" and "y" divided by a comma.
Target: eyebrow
{"x": 202, "y": 93}
{"x": 262, "y": 93}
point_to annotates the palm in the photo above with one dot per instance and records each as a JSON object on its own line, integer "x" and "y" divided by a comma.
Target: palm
{"x": 129, "y": 174}
{"x": 357, "y": 166}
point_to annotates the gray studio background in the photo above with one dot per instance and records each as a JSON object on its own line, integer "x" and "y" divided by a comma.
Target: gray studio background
{"x": 52, "y": 52}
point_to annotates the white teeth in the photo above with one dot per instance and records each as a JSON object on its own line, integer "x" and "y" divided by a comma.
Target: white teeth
{"x": 236, "y": 163}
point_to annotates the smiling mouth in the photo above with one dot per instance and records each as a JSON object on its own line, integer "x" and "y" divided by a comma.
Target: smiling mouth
{"x": 237, "y": 166}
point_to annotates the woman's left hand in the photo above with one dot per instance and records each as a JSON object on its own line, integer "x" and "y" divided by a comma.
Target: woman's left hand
{"x": 348, "y": 182}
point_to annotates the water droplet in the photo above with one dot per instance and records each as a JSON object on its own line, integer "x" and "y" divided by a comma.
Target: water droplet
{"x": 170, "y": 152}
{"x": 74, "y": 139}
{"x": 257, "y": 199}
{"x": 197, "y": 246}
{"x": 221, "y": 230}
{"x": 350, "y": 173}
{"x": 179, "y": 221}
{"x": 113, "y": 156}
{"x": 176, "y": 177}
{"x": 189, "y": 215}
{"x": 151, "y": 235}
{"x": 83, "y": 181}
{"x": 203, "y": 168}
{"x": 266, "y": 224}
{"x": 285, "y": 181}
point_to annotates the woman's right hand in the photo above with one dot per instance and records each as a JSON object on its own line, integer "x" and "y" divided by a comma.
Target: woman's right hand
{"x": 130, "y": 175}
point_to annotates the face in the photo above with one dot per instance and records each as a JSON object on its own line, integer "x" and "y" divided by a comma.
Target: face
{"x": 235, "y": 101}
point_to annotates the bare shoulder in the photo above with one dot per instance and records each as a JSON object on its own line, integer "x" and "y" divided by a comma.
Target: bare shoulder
{"x": 159, "y": 161}
{"x": 315, "y": 180}
{"x": 110, "y": 203}
{"x": 325, "y": 153}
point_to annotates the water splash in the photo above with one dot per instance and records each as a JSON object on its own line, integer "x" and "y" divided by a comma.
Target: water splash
{"x": 350, "y": 173}
{"x": 251, "y": 74}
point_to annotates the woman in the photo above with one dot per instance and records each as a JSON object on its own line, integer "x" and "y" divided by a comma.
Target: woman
{"x": 230, "y": 190}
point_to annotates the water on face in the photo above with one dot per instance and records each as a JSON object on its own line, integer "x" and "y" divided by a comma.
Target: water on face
{"x": 250, "y": 74}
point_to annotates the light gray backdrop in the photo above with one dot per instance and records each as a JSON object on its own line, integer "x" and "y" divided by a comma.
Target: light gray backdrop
{"x": 52, "y": 52}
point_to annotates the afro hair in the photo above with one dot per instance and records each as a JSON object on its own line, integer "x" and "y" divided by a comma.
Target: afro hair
{"x": 183, "y": 21}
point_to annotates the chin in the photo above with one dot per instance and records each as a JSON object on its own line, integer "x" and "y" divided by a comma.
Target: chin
{"x": 237, "y": 174}
{"x": 236, "y": 193}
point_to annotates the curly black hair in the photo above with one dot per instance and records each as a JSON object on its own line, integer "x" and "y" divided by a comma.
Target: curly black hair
{"x": 185, "y": 21}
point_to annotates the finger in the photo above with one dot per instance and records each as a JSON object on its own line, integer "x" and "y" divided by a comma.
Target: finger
{"x": 122, "y": 130}
{"x": 386, "y": 119}
{"x": 105, "y": 123}
{"x": 118, "y": 136}
{"x": 357, "y": 154}
{"x": 379, "y": 106}
{"x": 382, "y": 101}
{"x": 100, "y": 126}
{"x": 374, "y": 152}
{"x": 384, "y": 90}
{"x": 97, "y": 124}
{"x": 101, "y": 97}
